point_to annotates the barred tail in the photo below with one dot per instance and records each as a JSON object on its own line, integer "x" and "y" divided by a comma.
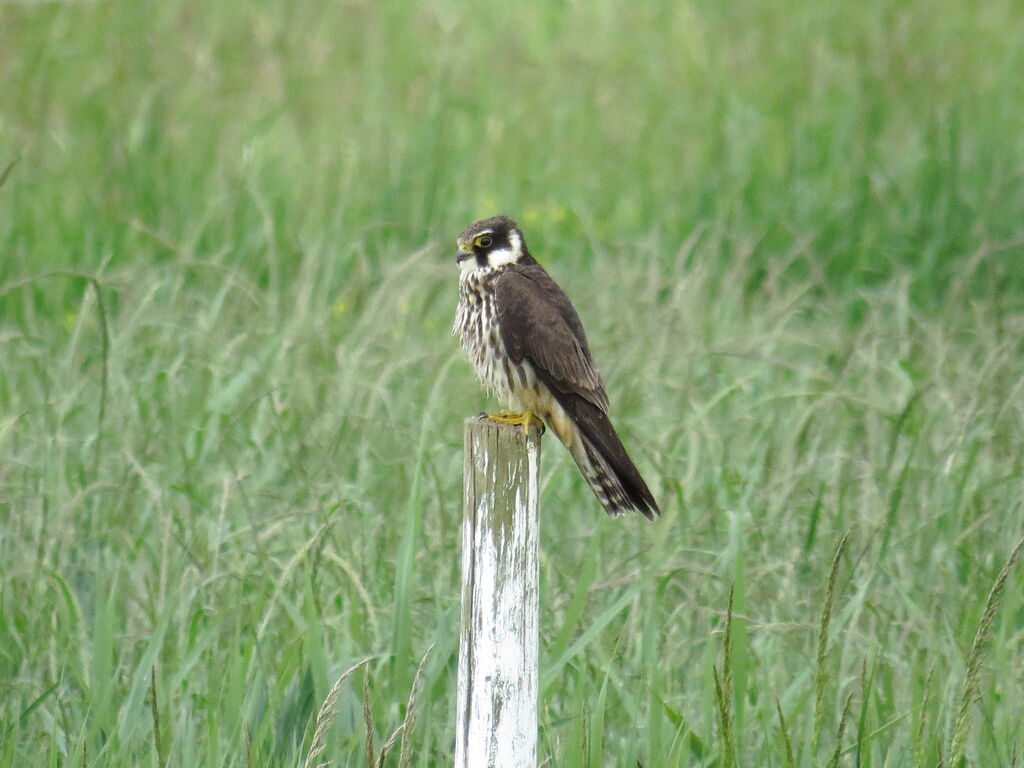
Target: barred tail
{"x": 606, "y": 466}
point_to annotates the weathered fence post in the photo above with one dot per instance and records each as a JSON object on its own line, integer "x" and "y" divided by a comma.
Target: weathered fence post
{"x": 496, "y": 723}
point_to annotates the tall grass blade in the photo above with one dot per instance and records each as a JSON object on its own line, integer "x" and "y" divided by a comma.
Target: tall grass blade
{"x": 918, "y": 746}
{"x": 724, "y": 713}
{"x": 155, "y": 709}
{"x": 786, "y": 741}
{"x": 101, "y": 411}
{"x": 409, "y": 723}
{"x": 368, "y": 721}
{"x": 972, "y": 684}
{"x": 727, "y": 650}
{"x": 838, "y": 751}
{"x": 820, "y": 671}
{"x": 324, "y": 717}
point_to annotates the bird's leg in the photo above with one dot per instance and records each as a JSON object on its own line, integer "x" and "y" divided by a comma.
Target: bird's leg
{"x": 518, "y": 419}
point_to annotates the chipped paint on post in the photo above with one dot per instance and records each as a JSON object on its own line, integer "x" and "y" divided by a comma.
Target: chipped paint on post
{"x": 498, "y": 663}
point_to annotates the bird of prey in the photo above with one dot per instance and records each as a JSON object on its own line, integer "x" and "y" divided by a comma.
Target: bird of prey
{"x": 527, "y": 345}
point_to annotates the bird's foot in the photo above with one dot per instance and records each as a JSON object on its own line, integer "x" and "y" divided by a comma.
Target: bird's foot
{"x": 525, "y": 420}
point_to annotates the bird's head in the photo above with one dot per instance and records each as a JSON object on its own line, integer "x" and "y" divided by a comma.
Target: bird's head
{"x": 492, "y": 242}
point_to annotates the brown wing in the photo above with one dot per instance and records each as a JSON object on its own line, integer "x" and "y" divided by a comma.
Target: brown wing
{"x": 538, "y": 322}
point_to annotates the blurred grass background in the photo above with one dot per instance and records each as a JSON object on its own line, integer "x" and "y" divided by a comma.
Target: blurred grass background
{"x": 230, "y": 407}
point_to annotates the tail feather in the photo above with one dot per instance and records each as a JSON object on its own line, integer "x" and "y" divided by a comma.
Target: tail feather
{"x": 606, "y": 466}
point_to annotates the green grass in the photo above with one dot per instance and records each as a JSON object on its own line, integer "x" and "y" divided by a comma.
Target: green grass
{"x": 231, "y": 409}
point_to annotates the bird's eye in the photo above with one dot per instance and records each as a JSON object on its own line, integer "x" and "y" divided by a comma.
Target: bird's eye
{"x": 484, "y": 241}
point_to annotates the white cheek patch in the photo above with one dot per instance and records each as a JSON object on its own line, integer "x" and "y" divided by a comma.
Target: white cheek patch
{"x": 508, "y": 255}
{"x": 502, "y": 256}
{"x": 517, "y": 243}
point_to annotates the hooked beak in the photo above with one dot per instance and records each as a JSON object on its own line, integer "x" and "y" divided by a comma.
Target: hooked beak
{"x": 464, "y": 252}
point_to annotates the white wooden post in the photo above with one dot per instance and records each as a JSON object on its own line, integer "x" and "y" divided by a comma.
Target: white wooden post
{"x": 496, "y": 723}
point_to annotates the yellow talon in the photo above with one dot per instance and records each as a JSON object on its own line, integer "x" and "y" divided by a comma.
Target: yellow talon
{"x": 525, "y": 420}
{"x": 507, "y": 417}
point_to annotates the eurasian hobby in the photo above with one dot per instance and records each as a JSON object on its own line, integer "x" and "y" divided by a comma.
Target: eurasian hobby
{"x": 527, "y": 345}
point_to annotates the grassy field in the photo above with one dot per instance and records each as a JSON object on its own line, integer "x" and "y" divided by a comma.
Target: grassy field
{"x": 231, "y": 410}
